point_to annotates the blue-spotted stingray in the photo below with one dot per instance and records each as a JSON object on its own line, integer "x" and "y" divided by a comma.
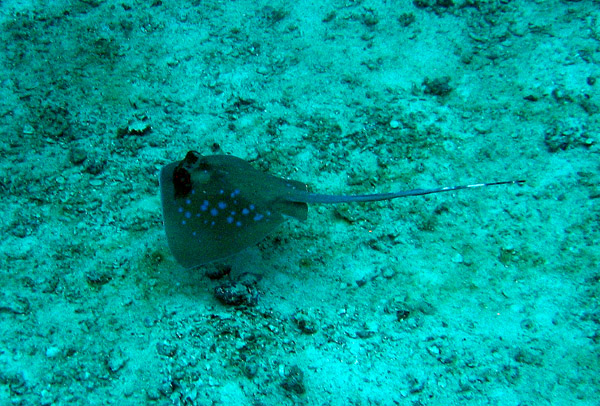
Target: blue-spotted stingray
{"x": 215, "y": 206}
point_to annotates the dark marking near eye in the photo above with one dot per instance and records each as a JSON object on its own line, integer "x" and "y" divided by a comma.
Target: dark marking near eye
{"x": 182, "y": 182}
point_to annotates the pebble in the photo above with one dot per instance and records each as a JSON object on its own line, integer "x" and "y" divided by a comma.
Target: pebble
{"x": 458, "y": 259}
{"x": 388, "y": 273}
{"x": 46, "y": 398}
{"x": 394, "y": 124}
{"x": 52, "y": 352}
{"x": 116, "y": 361}
{"x": 519, "y": 29}
{"x": 77, "y": 155}
{"x": 433, "y": 350}
{"x": 263, "y": 70}
{"x": 166, "y": 349}
{"x": 28, "y": 129}
{"x": 307, "y": 323}
{"x": 294, "y": 381}
{"x": 152, "y": 394}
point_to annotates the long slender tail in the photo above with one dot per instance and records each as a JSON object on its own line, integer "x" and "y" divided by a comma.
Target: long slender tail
{"x": 319, "y": 198}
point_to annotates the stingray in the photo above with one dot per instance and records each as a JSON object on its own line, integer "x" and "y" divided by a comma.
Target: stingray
{"x": 215, "y": 206}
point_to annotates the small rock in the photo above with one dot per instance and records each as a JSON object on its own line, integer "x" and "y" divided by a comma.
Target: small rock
{"x": 166, "y": 349}
{"x": 153, "y": 394}
{"x": 388, "y": 272}
{"x": 415, "y": 385}
{"x": 369, "y": 329}
{"x": 77, "y": 155}
{"x": 46, "y": 398}
{"x": 172, "y": 62}
{"x": 52, "y": 352}
{"x": 457, "y": 259}
{"x": 116, "y": 360}
{"x": 294, "y": 381}
{"x": 433, "y": 350}
{"x": 99, "y": 278}
{"x": 166, "y": 388}
{"x": 28, "y": 129}
{"x": 95, "y": 166}
{"x": 149, "y": 322}
{"x": 242, "y": 292}
{"x": 250, "y": 369}
{"x": 438, "y": 86}
{"x": 306, "y": 323}
{"x": 556, "y": 140}
{"x": 529, "y": 357}
{"x": 139, "y": 128}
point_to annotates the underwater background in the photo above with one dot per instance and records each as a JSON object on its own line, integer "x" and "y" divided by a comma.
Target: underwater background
{"x": 487, "y": 296}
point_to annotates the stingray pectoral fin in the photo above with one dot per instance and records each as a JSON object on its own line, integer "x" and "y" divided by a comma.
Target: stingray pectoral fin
{"x": 297, "y": 210}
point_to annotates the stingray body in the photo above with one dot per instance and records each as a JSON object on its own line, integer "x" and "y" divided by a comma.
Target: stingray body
{"x": 215, "y": 206}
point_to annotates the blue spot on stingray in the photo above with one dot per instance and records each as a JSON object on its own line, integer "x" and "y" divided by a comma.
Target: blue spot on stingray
{"x": 214, "y": 212}
{"x": 251, "y": 207}
{"x": 222, "y": 205}
{"x": 221, "y": 191}
{"x": 238, "y": 223}
{"x": 180, "y": 210}
{"x": 188, "y": 201}
{"x": 188, "y": 215}
{"x": 230, "y": 219}
{"x": 258, "y": 217}
{"x": 245, "y": 211}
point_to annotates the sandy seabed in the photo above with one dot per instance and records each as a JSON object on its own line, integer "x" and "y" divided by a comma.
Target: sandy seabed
{"x": 479, "y": 297}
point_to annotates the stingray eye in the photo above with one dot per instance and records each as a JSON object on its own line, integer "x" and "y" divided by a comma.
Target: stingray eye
{"x": 191, "y": 157}
{"x": 182, "y": 182}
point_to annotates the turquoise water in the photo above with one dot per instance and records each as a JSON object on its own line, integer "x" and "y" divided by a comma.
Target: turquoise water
{"x": 486, "y": 296}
